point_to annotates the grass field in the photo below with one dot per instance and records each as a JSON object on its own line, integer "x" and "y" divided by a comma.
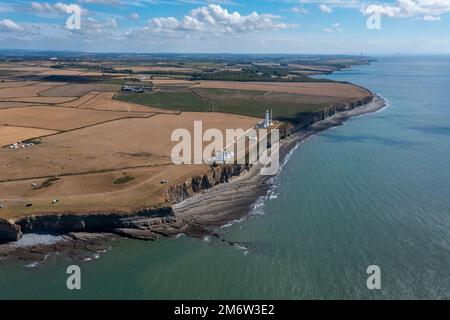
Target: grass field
{"x": 182, "y": 101}
{"x": 255, "y": 103}
{"x": 4, "y": 72}
{"x": 252, "y": 103}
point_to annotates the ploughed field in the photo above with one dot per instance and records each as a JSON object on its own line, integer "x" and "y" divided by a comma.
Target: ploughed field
{"x": 95, "y": 148}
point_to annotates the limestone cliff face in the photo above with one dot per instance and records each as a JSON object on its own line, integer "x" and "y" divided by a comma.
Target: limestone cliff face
{"x": 94, "y": 222}
{"x": 9, "y": 231}
{"x": 307, "y": 119}
{"x": 214, "y": 176}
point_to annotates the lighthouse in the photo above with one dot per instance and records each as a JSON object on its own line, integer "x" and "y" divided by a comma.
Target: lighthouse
{"x": 268, "y": 119}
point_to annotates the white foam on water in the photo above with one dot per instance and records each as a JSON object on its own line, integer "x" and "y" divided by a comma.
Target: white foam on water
{"x": 36, "y": 264}
{"x": 243, "y": 248}
{"x": 180, "y": 235}
{"x": 229, "y": 224}
{"x": 31, "y": 239}
{"x": 32, "y": 265}
{"x": 386, "y": 103}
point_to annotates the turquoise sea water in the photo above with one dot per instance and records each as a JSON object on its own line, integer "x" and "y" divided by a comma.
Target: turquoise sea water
{"x": 375, "y": 191}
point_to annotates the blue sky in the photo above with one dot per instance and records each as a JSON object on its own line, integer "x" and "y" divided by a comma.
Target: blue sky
{"x": 235, "y": 26}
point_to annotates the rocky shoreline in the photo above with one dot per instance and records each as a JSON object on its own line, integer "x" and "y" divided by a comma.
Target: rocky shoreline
{"x": 199, "y": 206}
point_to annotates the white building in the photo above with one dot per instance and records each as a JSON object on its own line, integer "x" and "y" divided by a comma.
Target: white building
{"x": 267, "y": 122}
{"x": 221, "y": 157}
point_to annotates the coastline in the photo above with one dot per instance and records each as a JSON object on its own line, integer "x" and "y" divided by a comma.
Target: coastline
{"x": 198, "y": 215}
{"x": 232, "y": 201}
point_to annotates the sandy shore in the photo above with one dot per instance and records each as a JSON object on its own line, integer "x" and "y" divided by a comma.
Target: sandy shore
{"x": 197, "y": 216}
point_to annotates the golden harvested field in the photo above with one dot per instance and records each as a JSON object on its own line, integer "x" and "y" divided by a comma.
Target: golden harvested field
{"x": 104, "y": 101}
{"x": 39, "y": 100}
{"x": 113, "y": 145}
{"x": 95, "y": 192}
{"x": 172, "y": 81}
{"x": 50, "y": 83}
{"x": 61, "y": 72}
{"x": 56, "y": 118}
{"x": 155, "y": 68}
{"x": 19, "y": 92}
{"x": 309, "y": 88}
{"x": 88, "y": 161}
{"x": 4, "y": 105}
{"x": 10, "y": 135}
{"x": 14, "y": 84}
{"x": 77, "y": 90}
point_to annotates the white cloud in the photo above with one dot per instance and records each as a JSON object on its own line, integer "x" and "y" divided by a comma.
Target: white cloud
{"x": 431, "y": 18}
{"x": 214, "y": 18}
{"x": 7, "y": 25}
{"x": 47, "y": 8}
{"x": 325, "y": 9}
{"x": 134, "y": 16}
{"x": 107, "y": 2}
{"x": 335, "y": 27}
{"x": 298, "y": 10}
{"x": 429, "y": 10}
{"x": 335, "y": 3}
{"x": 93, "y": 25}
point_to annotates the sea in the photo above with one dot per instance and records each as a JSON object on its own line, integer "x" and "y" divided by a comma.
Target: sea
{"x": 372, "y": 192}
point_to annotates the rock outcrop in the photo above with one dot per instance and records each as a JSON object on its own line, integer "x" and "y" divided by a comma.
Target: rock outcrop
{"x": 215, "y": 176}
{"x": 9, "y": 231}
{"x": 304, "y": 120}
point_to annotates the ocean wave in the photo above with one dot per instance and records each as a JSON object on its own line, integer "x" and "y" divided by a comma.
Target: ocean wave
{"x": 243, "y": 248}
{"x": 35, "y": 264}
{"x": 233, "y": 222}
{"x": 385, "y": 100}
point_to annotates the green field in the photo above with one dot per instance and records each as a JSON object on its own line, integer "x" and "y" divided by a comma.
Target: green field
{"x": 243, "y": 102}
{"x": 182, "y": 101}
{"x": 4, "y": 72}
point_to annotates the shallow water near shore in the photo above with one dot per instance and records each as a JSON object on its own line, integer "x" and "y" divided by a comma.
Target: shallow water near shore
{"x": 375, "y": 191}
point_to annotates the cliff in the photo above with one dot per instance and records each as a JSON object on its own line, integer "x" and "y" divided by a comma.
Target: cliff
{"x": 9, "y": 231}
{"x": 150, "y": 222}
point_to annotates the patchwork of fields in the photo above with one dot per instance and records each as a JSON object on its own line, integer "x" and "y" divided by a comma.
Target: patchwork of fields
{"x": 250, "y": 99}
{"x": 88, "y": 134}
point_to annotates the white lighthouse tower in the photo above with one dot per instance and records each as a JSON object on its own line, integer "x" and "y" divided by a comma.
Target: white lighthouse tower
{"x": 268, "y": 119}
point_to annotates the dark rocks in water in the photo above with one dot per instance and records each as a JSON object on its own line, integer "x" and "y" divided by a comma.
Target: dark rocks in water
{"x": 140, "y": 234}
{"x": 9, "y": 231}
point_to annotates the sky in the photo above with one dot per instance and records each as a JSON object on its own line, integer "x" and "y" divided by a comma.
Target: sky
{"x": 228, "y": 26}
